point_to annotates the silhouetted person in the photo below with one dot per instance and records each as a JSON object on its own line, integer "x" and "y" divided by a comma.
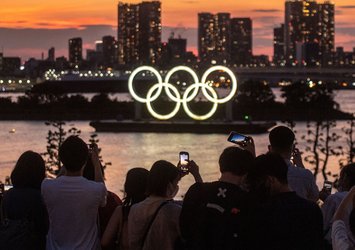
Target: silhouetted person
{"x": 332, "y": 202}
{"x": 210, "y": 213}
{"x": 73, "y": 201}
{"x": 279, "y": 219}
{"x": 343, "y": 228}
{"x": 135, "y": 189}
{"x": 300, "y": 180}
{"x": 24, "y": 200}
{"x": 154, "y": 222}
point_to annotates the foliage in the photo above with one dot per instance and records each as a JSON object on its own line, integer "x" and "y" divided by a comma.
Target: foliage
{"x": 309, "y": 95}
{"x": 320, "y": 140}
{"x": 255, "y": 93}
{"x": 350, "y": 144}
{"x": 55, "y": 138}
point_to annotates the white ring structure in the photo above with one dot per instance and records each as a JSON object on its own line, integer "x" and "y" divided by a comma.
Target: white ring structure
{"x": 174, "y": 94}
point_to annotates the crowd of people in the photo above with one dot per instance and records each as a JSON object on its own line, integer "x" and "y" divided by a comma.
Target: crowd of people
{"x": 269, "y": 201}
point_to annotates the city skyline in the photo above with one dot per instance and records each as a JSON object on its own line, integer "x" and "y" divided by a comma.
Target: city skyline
{"x": 51, "y": 24}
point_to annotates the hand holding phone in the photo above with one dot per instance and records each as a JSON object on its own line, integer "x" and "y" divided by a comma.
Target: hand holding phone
{"x": 184, "y": 160}
{"x": 246, "y": 142}
{"x": 328, "y": 186}
{"x": 237, "y": 138}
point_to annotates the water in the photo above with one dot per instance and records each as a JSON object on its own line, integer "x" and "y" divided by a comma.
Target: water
{"x": 128, "y": 150}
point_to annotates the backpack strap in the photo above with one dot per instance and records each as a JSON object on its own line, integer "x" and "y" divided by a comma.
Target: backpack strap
{"x": 151, "y": 222}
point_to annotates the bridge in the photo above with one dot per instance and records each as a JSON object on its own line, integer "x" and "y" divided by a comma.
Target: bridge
{"x": 345, "y": 77}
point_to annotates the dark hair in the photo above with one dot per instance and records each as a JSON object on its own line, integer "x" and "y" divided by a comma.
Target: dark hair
{"x": 160, "y": 175}
{"x": 135, "y": 186}
{"x": 29, "y": 171}
{"x": 347, "y": 177}
{"x": 73, "y": 153}
{"x": 272, "y": 164}
{"x": 235, "y": 160}
{"x": 281, "y": 138}
{"x": 265, "y": 165}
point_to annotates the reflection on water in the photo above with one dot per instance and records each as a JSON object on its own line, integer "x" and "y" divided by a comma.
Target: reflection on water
{"x": 128, "y": 150}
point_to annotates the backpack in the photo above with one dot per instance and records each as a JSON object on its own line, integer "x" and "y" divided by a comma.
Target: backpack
{"x": 218, "y": 220}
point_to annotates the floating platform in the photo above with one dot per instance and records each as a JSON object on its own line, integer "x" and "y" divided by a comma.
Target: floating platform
{"x": 128, "y": 126}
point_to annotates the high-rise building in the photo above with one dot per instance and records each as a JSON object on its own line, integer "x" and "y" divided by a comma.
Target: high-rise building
{"x": 241, "y": 41}
{"x": 177, "y": 47}
{"x": 214, "y": 37}
{"x": 1, "y": 61}
{"x": 109, "y": 51}
{"x": 75, "y": 51}
{"x": 51, "y": 54}
{"x": 150, "y": 30}
{"x": 326, "y": 32}
{"x": 279, "y": 45}
{"x": 139, "y": 32}
{"x": 308, "y": 25}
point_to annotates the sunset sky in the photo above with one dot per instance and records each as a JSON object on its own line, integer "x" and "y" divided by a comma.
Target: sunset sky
{"x": 28, "y": 28}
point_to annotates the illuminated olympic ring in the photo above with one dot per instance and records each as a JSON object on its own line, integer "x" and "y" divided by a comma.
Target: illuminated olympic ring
{"x": 174, "y": 94}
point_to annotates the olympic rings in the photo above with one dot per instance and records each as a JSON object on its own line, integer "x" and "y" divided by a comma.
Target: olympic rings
{"x": 174, "y": 94}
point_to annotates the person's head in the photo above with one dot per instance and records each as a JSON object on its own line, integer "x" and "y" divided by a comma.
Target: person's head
{"x": 235, "y": 160}
{"x": 29, "y": 171}
{"x": 347, "y": 177}
{"x": 267, "y": 175}
{"x": 135, "y": 186}
{"x": 281, "y": 140}
{"x": 73, "y": 153}
{"x": 162, "y": 179}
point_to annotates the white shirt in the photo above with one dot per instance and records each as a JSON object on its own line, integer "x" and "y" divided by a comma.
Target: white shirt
{"x": 329, "y": 207}
{"x": 302, "y": 182}
{"x": 340, "y": 238}
{"x": 72, "y": 203}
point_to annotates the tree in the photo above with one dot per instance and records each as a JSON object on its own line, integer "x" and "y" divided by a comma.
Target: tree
{"x": 55, "y": 138}
{"x": 255, "y": 93}
{"x": 309, "y": 95}
{"x": 320, "y": 140}
{"x": 350, "y": 144}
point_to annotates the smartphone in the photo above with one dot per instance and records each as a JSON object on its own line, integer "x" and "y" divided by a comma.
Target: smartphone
{"x": 184, "y": 160}
{"x": 7, "y": 187}
{"x": 237, "y": 138}
{"x": 328, "y": 186}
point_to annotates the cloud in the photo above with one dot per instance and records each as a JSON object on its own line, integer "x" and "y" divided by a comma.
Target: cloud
{"x": 266, "y": 10}
{"x": 189, "y": 1}
{"x": 346, "y": 7}
{"x": 41, "y": 39}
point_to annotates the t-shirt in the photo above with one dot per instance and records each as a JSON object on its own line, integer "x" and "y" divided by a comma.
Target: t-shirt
{"x": 302, "y": 182}
{"x": 329, "y": 207}
{"x": 210, "y": 216}
{"x": 340, "y": 238}
{"x": 72, "y": 203}
{"x": 164, "y": 230}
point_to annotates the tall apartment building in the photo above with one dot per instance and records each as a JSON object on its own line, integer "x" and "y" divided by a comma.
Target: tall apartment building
{"x": 75, "y": 51}
{"x": 279, "y": 45}
{"x": 139, "y": 32}
{"x": 241, "y": 41}
{"x": 214, "y": 37}
{"x": 309, "y": 32}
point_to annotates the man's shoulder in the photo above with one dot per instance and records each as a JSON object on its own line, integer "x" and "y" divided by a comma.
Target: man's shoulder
{"x": 305, "y": 173}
